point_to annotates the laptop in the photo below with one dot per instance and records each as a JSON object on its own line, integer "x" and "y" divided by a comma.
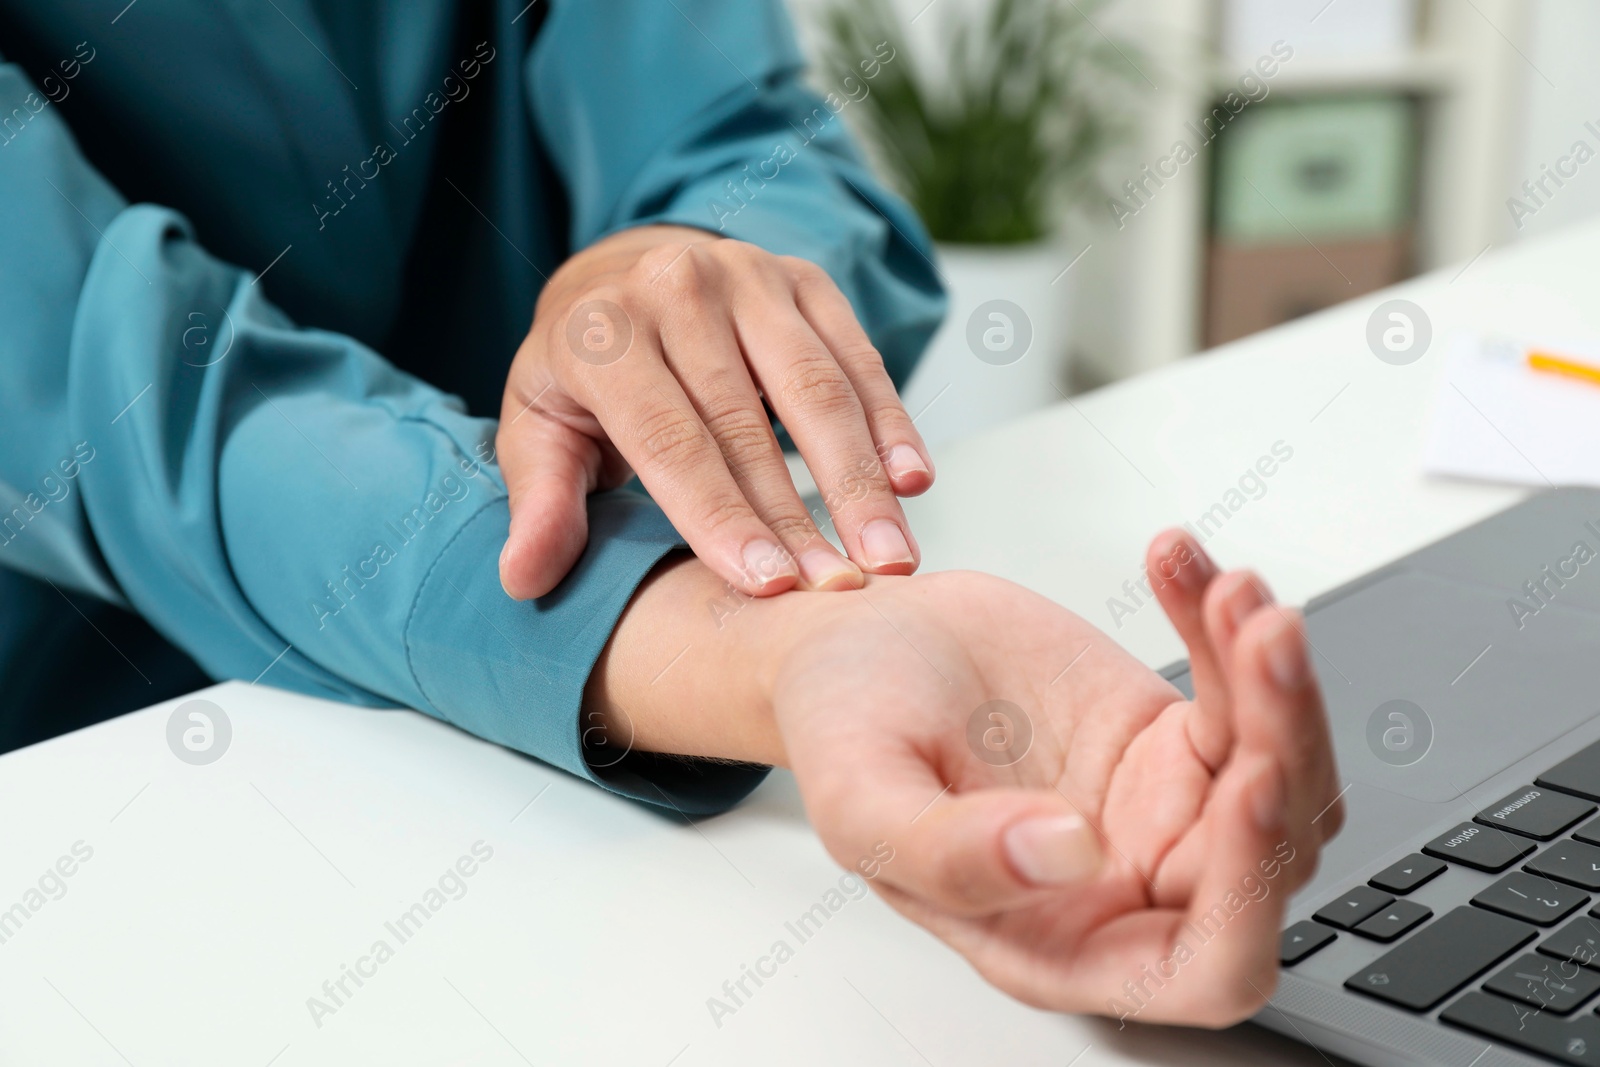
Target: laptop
{"x": 1456, "y": 918}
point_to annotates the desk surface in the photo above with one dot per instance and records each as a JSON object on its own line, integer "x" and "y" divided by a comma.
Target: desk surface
{"x": 216, "y": 901}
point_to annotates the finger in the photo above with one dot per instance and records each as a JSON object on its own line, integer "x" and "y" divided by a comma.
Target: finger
{"x": 1232, "y": 922}
{"x": 1278, "y": 711}
{"x": 994, "y": 850}
{"x": 1210, "y": 960}
{"x": 966, "y": 854}
{"x": 1228, "y": 601}
{"x": 706, "y": 359}
{"x": 1181, "y": 572}
{"x": 656, "y": 429}
{"x": 894, "y": 436}
{"x": 549, "y": 469}
{"x": 816, "y": 402}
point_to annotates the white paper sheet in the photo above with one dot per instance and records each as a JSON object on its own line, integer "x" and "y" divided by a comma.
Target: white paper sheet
{"x": 1496, "y": 419}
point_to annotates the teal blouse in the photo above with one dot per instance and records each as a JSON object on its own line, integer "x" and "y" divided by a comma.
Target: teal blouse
{"x": 264, "y": 265}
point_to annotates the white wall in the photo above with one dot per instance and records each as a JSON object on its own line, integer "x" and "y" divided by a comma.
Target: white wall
{"x": 1561, "y": 48}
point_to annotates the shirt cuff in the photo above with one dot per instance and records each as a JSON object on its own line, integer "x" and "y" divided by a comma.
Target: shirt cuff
{"x": 514, "y": 672}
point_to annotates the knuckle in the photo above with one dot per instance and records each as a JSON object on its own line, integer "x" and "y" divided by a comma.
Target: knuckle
{"x": 724, "y": 393}
{"x": 813, "y": 380}
{"x": 805, "y": 272}
{"x": 742, "y": 253}
{"x": 669, "y": 264}
{"x": 669, "y": 439}
{"x": 859, "y": 483}
{"x": 757, "y": 269}
{"x": 742, "y": 434}
{"x": 888, "y": 414}
{"x": 733, "y": 416}
{"x": 674, "y": 290}
{"x": 721, "y": 510}
{"x": 793, "y": 529}
{"x": 861, "y": 354}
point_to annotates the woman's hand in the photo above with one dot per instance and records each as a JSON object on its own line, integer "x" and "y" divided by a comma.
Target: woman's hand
{"x": 653, "y": 351}
{"x": 1137, "y": 833}
{"x": 1092, "y": 830}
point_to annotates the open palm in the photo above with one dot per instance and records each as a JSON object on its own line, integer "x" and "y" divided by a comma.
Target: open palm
{"x": 1058, "y": 813}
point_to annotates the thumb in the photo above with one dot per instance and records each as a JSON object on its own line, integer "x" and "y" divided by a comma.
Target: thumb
{"x": 968, "y": 854}
{"x": 996, "y": 849}
{"x": 549, "y": 469}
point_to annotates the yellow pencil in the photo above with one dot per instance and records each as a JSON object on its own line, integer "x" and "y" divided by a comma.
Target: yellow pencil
{"x": 1551, "y": 363}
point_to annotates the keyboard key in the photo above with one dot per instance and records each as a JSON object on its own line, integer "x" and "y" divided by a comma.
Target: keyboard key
{"x": 1354, "y": 908}
{"x": 1389, "y": 923}
{"x": 1301, "y": 940}
{"x": 1541, "y": 813}
{"x": 1578, "y": 941}
{"x": 1442, "y": 957}
{"x": 1569, "y": 1041}
{"x": 1578, "y": 773}
{"x": 1526, "y": 896}
{"x": 1589, "y": 832}
{"x": 1408, "y": 874}
{"x": 1482, "y": 847}
{"x": 1569, "y": 861}
{"x": 1553, "y": 985}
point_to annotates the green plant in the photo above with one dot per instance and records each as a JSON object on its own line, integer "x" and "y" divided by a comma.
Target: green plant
{"x": 1035, "y": 95}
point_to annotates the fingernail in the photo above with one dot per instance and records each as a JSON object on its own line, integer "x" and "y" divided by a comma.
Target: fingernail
{"x": 883, "y": 543}
{"x": 1286, "y": 654}
{"x": 903, "y": 460}
{"x": 766, "y": 562}
{"x": 1053, "y": 850}
{"x": 1190, "y": 566}
{"x": 1249, "y": 596}
{"x": 1267, "y": 799}
{"x": 502, "y": 569}
{"x": 828, "y": 571}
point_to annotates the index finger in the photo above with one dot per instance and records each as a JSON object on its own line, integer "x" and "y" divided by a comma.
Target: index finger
{"x": 655, "y": 427}
{"x": 819, "y": 407}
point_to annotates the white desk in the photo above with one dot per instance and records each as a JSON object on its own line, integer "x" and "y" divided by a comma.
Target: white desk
{"x": 218, "y": 899}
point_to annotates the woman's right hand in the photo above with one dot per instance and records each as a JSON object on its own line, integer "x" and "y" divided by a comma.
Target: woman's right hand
{"x": 659, "y": 350}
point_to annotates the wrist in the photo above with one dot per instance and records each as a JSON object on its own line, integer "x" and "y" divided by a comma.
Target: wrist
{"x": 692, "y": 665}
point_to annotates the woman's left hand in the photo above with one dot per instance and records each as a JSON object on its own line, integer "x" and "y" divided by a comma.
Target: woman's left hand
{"x": 1057, "y": 812}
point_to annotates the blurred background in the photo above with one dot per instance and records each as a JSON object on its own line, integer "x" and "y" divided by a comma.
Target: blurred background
{"x": 1118, "y": 184}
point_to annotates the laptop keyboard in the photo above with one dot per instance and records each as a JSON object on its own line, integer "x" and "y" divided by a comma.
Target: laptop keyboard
{"x": 1545, "y": 1000}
